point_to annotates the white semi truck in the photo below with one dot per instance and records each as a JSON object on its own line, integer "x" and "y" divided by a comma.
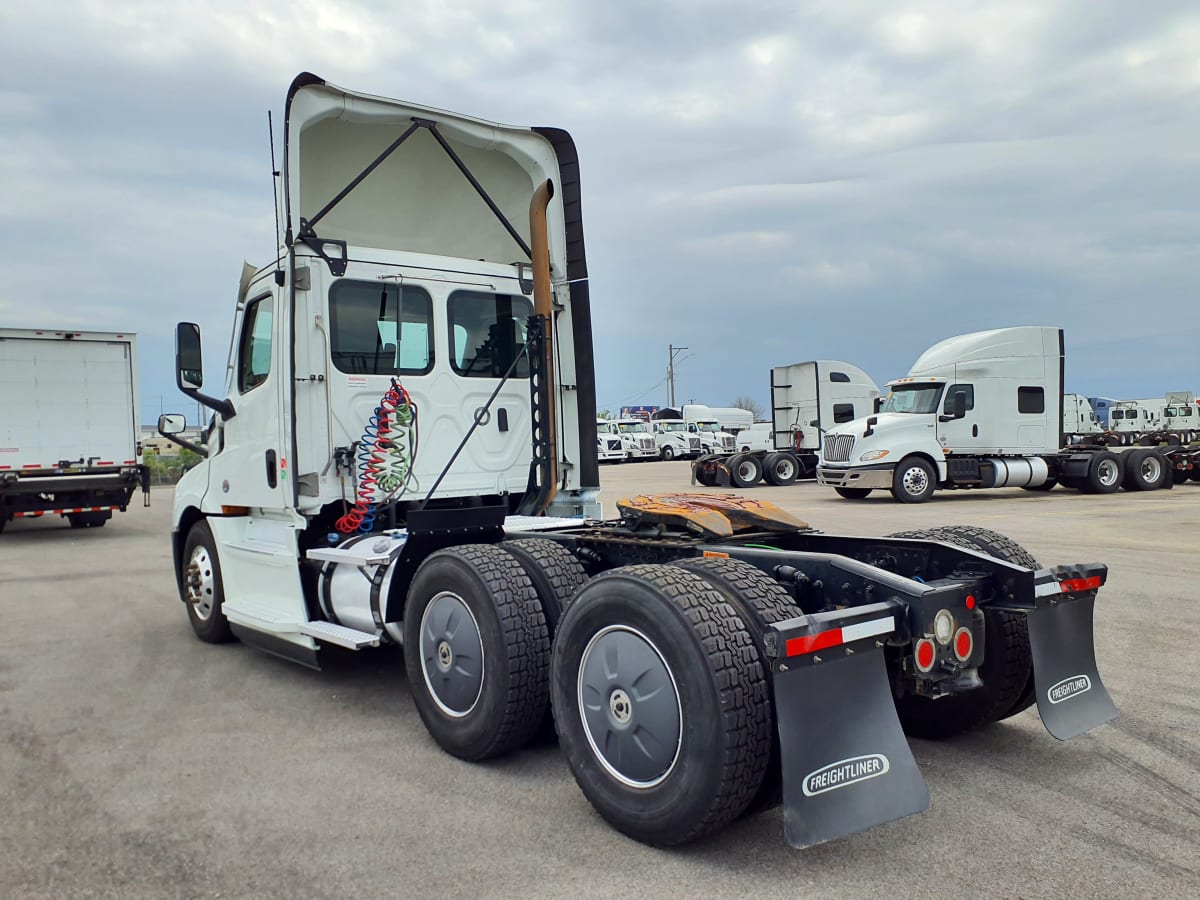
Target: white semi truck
{"x": 637, "y": 439}
{"x": 984, "y": 410}
{"x": 406, "y": 455}
{"x": 806, "y": 399}
{"x": 1079, "y": 420}
{"x": 609, "y": 445}
{"x": 69, "y": 428}
{"x": 673, "y": 439}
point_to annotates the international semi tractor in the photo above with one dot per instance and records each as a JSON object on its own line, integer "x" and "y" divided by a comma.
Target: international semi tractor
{"x": 69, "y": 429}
{"x": 405, "y": 454}
{"x": 984, "y": 410}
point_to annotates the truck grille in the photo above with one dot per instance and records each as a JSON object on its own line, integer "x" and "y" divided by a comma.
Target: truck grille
{"x": 646, "y": 443}
{"x": 614, "y": 443}
{"x": 727, "y": 442}
{"x": 694, "y": 443}
{"x": 838, "y": 447}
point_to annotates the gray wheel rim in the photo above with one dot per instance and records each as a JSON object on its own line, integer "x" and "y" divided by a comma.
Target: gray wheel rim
{"x": 629, "y": 704}
{"x": 785, "y": 469}
{"x": 1151, "y": 469}
{"x": 915, "y": 481}
{"x": 200, "y": 582}
{"x": 668, "y": 453}
{"x": 745, "y": 471}
{"x": 1108, "y": 472}
{"x": 451, "y": 655}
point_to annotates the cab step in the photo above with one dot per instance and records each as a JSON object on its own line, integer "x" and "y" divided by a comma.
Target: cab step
{"x": 329, "y": 633}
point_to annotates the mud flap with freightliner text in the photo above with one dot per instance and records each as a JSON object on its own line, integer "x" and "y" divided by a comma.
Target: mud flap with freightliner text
{"x": 1071, "y": 698}
{"x": 846, "y": 764}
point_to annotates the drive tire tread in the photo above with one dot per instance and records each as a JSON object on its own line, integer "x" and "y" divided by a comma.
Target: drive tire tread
{"x": 730, "y": 666}
{"x": 525, "y": 663}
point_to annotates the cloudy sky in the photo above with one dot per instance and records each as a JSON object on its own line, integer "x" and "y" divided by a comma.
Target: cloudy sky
{"x": 764, "y": 182}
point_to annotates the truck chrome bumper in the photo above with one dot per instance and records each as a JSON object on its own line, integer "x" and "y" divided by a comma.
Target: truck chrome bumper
{"x": 870, "y": 477}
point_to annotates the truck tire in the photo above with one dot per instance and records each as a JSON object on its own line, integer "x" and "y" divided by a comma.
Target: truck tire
{"x": 781, "y": 469}
{"x": 1145, "y": 470}
{"x": 555, "y": 572}
{"x": 476, "y": 650}
{"x": 1104, "y": 474}
{"x": 914, "y": 480}
{"x": 745, "y": 470}
{"x": 200, "y": 586}
{"x": 89, "y": 519}
{"x": 668, "y": 453}
{"x": 1007, "y": 667}
{"x": 700, "y": 711}
{"x": 761, "y": 601}
{"x": 853, "y": 493}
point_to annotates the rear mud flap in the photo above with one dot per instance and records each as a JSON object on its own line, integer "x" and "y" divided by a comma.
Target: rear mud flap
{"x": 846, "y": 763}
{"x": 1070, "y": 695}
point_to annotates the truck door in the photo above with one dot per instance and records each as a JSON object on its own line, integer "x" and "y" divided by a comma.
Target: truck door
{"x": 965, "y": 435}
{"x": 250, "y": 469}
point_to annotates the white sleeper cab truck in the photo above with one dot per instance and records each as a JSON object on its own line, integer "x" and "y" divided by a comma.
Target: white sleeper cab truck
{"x": 1133, "y": 418}
{"x": 673, "y": 439}
{"x": 1181, "y": 417}
{"x": 637, "y": 439}
{"x": 69, "y": 429}
{"x": 609, "y": 446}
{"x": 806, "y": 399}
{"x": 983, "y": 410}
{"x": 405, "y": 454}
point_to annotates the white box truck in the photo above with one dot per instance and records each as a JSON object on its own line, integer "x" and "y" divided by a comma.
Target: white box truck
{"x": 68, "y": 425}
{"x": 984, "y": 410}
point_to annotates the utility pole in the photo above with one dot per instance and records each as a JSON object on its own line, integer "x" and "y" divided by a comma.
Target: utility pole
{"x": 671, "y": 351}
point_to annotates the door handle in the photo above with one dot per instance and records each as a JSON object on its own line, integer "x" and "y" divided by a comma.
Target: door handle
{"x": 974, "y": 431}
{"x": 272, "y": 478}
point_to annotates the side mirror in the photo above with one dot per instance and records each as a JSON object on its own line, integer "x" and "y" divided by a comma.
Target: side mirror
{"x": 815, "y": 423}
{"x": 960, "y": 405}
{"x": 189, "y": 362}
{"x": 877, "y": 405}
{"x": 871, "y": 423}
{"x": 171, "y": 423}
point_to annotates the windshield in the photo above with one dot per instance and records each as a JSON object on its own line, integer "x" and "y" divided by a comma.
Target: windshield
{"x": 674, "y": 426}
{"x": 707, "y": 426}
{"x": 913, "y": 398}
{"x": 632, "y": 427}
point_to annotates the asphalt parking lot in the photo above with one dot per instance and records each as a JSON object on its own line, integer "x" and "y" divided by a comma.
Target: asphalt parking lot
{"x": 137, "y": 761}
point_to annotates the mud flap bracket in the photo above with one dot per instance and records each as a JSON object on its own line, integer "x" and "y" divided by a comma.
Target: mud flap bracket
{"x": 846, "y": 764}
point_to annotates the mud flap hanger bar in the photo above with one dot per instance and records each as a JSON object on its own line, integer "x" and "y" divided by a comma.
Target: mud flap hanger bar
{"x": 337, "y": 264}
{"x": 1071, "y": 698}
{"x": 846, "y": 764}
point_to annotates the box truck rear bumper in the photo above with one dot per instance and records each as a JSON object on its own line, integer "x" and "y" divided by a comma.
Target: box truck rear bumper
{"x": 870, "y": 477}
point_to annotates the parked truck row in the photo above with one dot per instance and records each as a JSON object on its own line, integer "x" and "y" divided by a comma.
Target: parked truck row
{"x": 985, "y": 410}
{"x": 69, "y": 425}
{"x": 406, "y": 453}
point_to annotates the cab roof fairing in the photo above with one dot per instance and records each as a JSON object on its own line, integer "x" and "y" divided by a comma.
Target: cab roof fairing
{"x": 416, "y": 200}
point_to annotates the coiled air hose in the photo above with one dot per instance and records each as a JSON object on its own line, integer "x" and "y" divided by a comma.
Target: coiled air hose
{"x": 386, "y": 454}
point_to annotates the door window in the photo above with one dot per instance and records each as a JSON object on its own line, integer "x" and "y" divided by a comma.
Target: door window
{"x": 254, "y": 352}
{"x": 843, "y": 412}
{"x": 967, "y": 390}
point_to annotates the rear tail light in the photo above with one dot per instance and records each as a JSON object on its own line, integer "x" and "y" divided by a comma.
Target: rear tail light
{"x": 964, "y": 643}
{"x": 925, "y": 654}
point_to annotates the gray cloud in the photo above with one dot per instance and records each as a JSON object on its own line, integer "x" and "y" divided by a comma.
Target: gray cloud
{"x": 763, "y": 183}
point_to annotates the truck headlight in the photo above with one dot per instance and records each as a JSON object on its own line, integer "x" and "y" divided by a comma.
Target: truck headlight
{"x": 872, "y": 455}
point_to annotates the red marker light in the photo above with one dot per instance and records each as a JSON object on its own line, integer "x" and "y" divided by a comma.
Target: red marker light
{"x": 970, "y": 601}
{"x": 963, "y": 644}
{"x": 924, "y": 654}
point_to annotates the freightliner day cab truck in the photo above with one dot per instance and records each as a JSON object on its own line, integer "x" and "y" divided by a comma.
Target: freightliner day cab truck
{"x": 806, "y": 399}
{"x": 405, "y": 455}
{"x": 984, "y": 410}
{"x": 69, "y": 429}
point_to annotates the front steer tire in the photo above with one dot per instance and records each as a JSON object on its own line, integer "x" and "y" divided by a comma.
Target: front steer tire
{"x": 476, "y": 649}
{"x": 661, "y": 703}
{"x": 201, "y": 588}
{"x": 914, "y": 480}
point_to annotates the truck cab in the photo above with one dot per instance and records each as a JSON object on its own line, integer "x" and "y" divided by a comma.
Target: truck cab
{"x": 674, "y": 441}
{"x": 637, "y": 440}
{"x": 713, "y": 438}
{"x": 981, "y": 396}
{"x": 609, "y": 446}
